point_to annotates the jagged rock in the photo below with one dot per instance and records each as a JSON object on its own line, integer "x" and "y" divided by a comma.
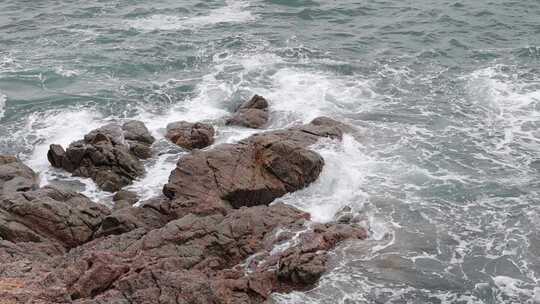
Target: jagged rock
{"x": 138, "y": 138}
{"x": 251, "y": 114}
{"x": 135, "y": 130}
{"x": 199, "y": 245}
{"x": 16, "y": 176}
{"x": 190, "y": 135}
{"x": 254, "y": 171}
{"x": 199, "y": 259}
{"x": 109, "y": 155}
{"x": 49, "y": 215}
{"x": 130, "y": 218}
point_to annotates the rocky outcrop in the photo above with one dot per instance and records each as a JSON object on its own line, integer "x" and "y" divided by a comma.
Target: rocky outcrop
{"x": 16, "y": 176}
{"x": 212, "y": 239}
{"x": 254, "y": 171}
{"x": 239, "y": 258}
{"x": 110, "y": 155}
{"x": 190, "y": 135}
{"x": 49, "y": 215}
{"x": 251, "y": 114}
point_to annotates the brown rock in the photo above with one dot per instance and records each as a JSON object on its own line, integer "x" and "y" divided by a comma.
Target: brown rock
{"x": 49, "y": 215}
{"x": 58, "y": 247}
{"x": 255, "y": 171}
{"x": 190, "y": 135}
{"x": 16, "y": 176}
{"x": 109, "y": 155}
{"x": 251, "y": 114}
{"x": 124, "y": 195}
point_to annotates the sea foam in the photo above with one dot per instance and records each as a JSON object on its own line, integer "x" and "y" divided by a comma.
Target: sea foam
{"x": 232, "y": 12}
{"x": 3, "y": 99}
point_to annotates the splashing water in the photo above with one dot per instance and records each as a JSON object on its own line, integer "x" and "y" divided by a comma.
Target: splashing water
{"x": 444, "y": 97}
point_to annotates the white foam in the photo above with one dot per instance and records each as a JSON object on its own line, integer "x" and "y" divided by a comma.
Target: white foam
{"x": 66, "y": 72}
{"x": 59, "y": 127}
{"x": 157, "y": 173}
{"x": 509, "y": 104}
{"x": 340, "y": 183}
{"x": 3, "y": 99}
{"x": 7, "y": 63}
{"x": 512, "y": 287}
{"x": 302, "y": 95}
{"x": 232, "y": 12}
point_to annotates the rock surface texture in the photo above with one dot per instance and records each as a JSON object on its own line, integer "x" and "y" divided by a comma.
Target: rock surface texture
{"x": 190, "y": 135}
{"x": 254, "y": 171}
{"x": 212, "y": 238}
{"x": 110, "y": 155}
{"x": 251, "y": 114}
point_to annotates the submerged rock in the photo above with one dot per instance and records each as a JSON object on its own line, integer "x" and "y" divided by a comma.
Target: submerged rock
{"x": 251, "y": 114}
{"x": 190, "y": 135}
{"x": 110, "y": 155}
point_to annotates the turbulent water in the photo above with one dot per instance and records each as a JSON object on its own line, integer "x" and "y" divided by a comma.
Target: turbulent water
{"x": 446, "y": 95}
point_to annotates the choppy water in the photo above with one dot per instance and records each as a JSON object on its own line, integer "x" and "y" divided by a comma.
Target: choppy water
{"x": 446, "y": 93}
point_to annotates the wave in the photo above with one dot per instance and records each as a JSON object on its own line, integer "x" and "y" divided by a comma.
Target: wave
{"x": 232, "y": 12}
{"x": 510, "y": 106}
{"x": 3, "y": 99}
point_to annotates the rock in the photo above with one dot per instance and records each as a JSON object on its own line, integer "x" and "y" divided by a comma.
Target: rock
{"x": 136, "y": 131}
{"x": 109, "y": 155}
{"x": 199, "y": 259}
{"x": 127, "y": 219}
{"x": 202, "y": 244}
{"x": 16, "y": 176}
{"x": 142, "y": 151}
{"x": 49, "y": 215}
{"x": 254, "y": 171}
{"x": 121, "y": 205}
{"x": 124, "y": 199}
{"x": 251, "y": 114}
{"x": 56, "y": 155}
{"x": 138, "y": 139}
{"x": 304, "y": 264}
{"x": 124, "y": 195}
{"x": 190, "y": 135}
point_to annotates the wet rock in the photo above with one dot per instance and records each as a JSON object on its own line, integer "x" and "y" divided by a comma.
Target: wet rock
{"x": 344, "y": 215}
{"x": 16, "y": 176}
{"x": 125, "y": 195}
{"x": 190, "y": 135}
{"x": 138, "y": 138}
{"x": 251, "y": 114}
{"x": 124, "y": 199}
{"x": 136, "y": 131}
{"x": 109, "y": 155}
{"x": 254, "y": 171}
{"x": 201, "y": 244}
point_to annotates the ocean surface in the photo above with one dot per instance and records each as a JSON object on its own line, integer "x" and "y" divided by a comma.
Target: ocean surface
{"x": 446, "y": 95}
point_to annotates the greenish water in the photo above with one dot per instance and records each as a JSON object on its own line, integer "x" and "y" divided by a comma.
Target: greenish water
{"x": 446, "y": 94}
